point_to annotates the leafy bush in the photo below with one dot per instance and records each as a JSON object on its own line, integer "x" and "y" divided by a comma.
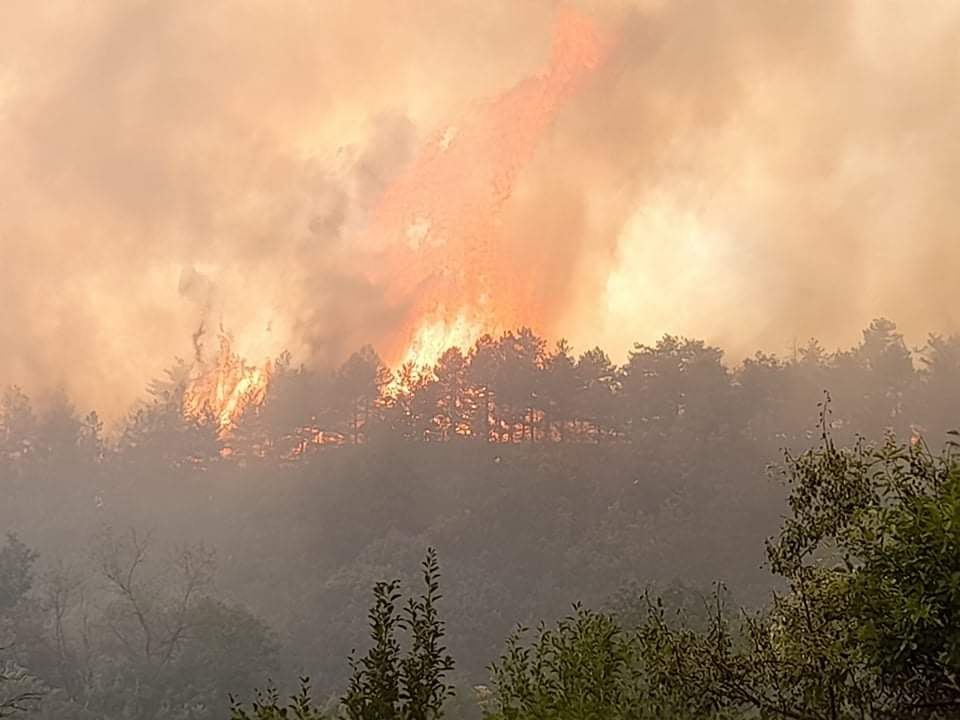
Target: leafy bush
{"x": 387, "y": 683}
{"x": 869, "y": 627}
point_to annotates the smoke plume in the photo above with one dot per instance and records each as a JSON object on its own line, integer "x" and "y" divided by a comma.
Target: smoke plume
{"x": 750, "y": 173}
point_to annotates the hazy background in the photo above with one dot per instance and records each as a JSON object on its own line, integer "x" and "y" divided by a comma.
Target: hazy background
{"x": 749, "y": 173}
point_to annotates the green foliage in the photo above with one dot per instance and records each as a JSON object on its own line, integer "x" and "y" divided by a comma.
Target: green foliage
{"x": 869, "y": 627}
{"x": 580, "y": 670}
{"x": 423, "y": 689}
{"x": 267, "y": 706}
{"x": 389, "y": 685}
{"x": 375, "y": 684}
{"x": 874, "y": 544}
{"x": 592, "y": 667}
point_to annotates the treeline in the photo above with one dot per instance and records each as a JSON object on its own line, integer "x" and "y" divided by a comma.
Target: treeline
{"x": 866, "y": 628}
{"x": 513, "y": 389}
{"x": 666, "y": 487}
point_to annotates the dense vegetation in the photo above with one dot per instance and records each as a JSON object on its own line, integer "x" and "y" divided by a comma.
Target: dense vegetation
{"x": 868, "y": 626}
{"x": 542, "y": 478}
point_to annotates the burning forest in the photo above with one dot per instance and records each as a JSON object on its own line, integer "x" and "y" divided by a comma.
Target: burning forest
{"x": 440, "y": 226}
{"x": 342, "y": 342}
{"x": 592, "y": 170}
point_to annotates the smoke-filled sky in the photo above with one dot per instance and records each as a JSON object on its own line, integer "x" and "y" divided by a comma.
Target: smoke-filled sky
{"x": 747, "y": 172}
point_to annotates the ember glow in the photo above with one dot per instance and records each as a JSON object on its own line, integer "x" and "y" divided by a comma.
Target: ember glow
{"x": 440, "y": 223}
{"x": 442, "y": 220}
{"x": 412, "y": 175}
{"x": 224, "y": 388}
{"x": 434, "y": 336}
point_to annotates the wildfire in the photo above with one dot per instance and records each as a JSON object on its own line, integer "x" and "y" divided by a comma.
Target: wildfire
{"x": 440, "y": 221}
{"x": 226, "y": 387}
{"x": 433, "y": 337}
{"x": 439, "y": 225}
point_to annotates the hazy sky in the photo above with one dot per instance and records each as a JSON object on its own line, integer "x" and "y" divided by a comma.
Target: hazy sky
{"x": 749, "y": 172}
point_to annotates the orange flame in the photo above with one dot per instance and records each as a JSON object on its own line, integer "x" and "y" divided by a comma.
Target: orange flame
{"x": 441, "y": 220}
{"x": 440, "y": 224}
{"x": 224, "y": 389}
{"x": 433, "y": 337}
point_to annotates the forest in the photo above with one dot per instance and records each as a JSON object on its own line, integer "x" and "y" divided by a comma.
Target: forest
{"x": 685, "y": 537}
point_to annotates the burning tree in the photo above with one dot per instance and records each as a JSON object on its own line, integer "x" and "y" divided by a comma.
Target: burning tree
{"x": 225, "y": 387}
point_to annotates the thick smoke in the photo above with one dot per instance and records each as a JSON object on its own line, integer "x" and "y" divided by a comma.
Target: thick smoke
{"x": 784, "y": 170}
{"x": 747, "y": 172}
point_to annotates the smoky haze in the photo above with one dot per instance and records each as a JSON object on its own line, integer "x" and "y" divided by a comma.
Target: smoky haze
{"x": 748, "y": 173}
